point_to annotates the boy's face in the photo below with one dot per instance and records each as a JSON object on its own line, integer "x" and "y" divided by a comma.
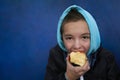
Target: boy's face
{"x": 76, "y": 36}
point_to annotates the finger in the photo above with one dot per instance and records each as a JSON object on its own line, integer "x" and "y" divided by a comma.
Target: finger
{"x": 86, "y": 67}
{"x": 68, "y": 61}
{"x": 79, "y": 71}
{"x": 86, "y": 64}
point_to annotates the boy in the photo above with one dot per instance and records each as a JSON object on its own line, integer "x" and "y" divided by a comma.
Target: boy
{"x": 78, "y": 32}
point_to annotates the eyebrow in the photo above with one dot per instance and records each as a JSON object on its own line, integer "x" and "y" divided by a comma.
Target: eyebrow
{"x": 67, "y": 35}
{"x": 81, "y": 34}
{"x": 86, "y": 34}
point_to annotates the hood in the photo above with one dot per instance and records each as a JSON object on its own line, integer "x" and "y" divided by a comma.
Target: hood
{"x": 93, "y": 28}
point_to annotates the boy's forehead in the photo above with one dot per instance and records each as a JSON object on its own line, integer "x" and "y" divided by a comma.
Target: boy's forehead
{"x": 77, "y": 26}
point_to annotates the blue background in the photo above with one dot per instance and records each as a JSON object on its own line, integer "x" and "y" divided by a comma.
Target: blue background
{"x": 28, "y": 31}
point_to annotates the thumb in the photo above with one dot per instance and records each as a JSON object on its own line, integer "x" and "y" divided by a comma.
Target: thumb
{"x": 68, "y": 60}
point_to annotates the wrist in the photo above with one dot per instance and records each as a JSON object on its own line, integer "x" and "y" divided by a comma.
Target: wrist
{"x": 69, "y": 76}
{"x": 66, "y": 77}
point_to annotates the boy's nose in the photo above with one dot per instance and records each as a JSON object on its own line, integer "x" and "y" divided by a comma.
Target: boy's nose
{"x": 77, "y": 45}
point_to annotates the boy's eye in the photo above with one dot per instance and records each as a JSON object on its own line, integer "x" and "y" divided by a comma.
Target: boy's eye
{"x": 86, "y": 37}
{"x": 68, "y": 38}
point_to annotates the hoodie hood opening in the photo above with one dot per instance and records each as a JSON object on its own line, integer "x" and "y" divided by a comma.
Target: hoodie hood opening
{"x": 93, "y": 28}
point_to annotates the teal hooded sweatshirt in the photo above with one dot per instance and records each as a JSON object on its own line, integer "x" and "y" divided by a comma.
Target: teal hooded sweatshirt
{"x": 93, "y": 28}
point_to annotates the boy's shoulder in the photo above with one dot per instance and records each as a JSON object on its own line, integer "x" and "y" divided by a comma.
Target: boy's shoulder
{"x": 57, "y": 49}
{"x": 57, "y": 52}
{"x": 104, "y": 52}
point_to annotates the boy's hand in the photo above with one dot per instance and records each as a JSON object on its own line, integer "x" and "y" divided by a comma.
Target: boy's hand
{"x": 74, "y": 72}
